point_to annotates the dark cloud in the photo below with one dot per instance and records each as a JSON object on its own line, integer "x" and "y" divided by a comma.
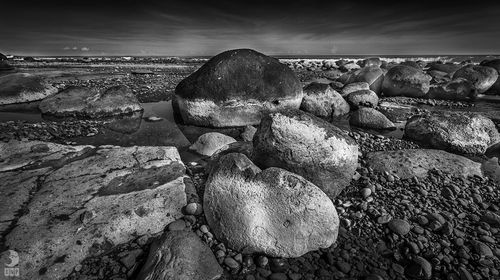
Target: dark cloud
{"x": 275, "y": 27}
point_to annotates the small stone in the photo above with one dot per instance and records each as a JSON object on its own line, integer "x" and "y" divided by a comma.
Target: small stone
{"x": 40, "y": 148}
{"x": 231, "y": 263}
{"x": 399, "y": 226}
{"x": 487, "y": 239}
{"x": 422, "y": 220}
{"x": 398, "y": 268}
{"x": 366, "y": 192}
{"x": 278, "y": 276}
{"x": 194, "y": 209}
{"x": 384, "y": 219}
{"x": 262, "y": 261}
{"x": 177, "y": 225}
{"x": 344, "y": 266}
{"x": 459, "y": 242}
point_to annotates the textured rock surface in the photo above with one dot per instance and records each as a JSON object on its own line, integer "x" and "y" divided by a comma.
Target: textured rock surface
{"x": 418, "y": 162}
{"x": 180, "y": 255}
{"x": 209, "y": 143}
{"x": 309, "y": 146}
{"x": 456, "y": 132}
{"x": 22, "y": 87}
{"x": 481, "y": 77}
{"x": 352, "y": 87}
{"x": 455, "y": 90}
{"x": 403, "y": 80}
{"x": 85, "y": 200}
{"x": 370, "y": 118}
{"x": 495, "y": 63}
{"x": 248, "y": 133}
{"x": 323, "y": 101}
{"x": 235, "y": 88}
{"x": 88, "y": 103}
{"x": 363, "y": 98}
{"x": 270, "y": 211}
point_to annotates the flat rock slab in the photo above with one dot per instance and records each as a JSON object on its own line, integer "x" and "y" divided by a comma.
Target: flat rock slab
{"x": 79, "y": 201}
{"x": 416, "y": 163}
{"x": 23, "y": 87}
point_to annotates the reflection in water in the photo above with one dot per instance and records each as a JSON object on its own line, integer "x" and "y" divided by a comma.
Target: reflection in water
{"x": 126, "y": 124}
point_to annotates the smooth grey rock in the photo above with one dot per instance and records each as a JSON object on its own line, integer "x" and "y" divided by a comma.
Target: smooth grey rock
{"x": 236, "y": 88}
{"x": 352, "y": 87}
{"x": 456, "y": 132}
{"x": 323, "y": 101}
{"x": 89, "y": 103}
{"x": 481, "y": 77}
{"x": 23, "y": 87}
{"x": 309, "y": 146}
{"x": 180, "y": 255}
{"x": 269, "y": 211}
{"x": 372, "y": 75}
{"x": 370, "y": 118}
{"x": 418, "y": 162}
{"x": 402, "y": 80}
{"x": 208, "y": 143}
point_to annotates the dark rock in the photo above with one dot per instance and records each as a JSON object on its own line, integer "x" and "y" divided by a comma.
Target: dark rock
{"x": 370, "y": 118}
{"x": 235, "y": 88}
{"x": 449, "y": 68}
{"x": 180, "y": 255}
{"x": 365, "y": 98}
{"x": 419, "y": 268}
{"x": 481, "y": 77}
{"x": 399, "y": 226}
{"x": 403, "y": 80}
{"x": 285, "y": 140}
{"x": 455, "y": 90}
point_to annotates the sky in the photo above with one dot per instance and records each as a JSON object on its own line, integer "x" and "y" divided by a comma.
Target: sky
{"x": 204, "y": 28}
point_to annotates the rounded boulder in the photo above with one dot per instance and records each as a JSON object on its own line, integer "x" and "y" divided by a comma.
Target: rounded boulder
{"x": 236, "y": 88}
{"x": 481, "y": 77}
{"x": 402, "y": 80}
{"x": 323, "y": 101}
{"x": 309, "y": 146}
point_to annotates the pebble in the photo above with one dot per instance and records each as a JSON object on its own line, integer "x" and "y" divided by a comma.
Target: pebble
{"x": 194, "y": 208}
{"x": 366, "y": 192}
{"x": 231, "y": 263}
{"x": 384, "y": 219}
{"x": 481, "y": 249}
{"x": 399, "y": 226}
{"x": 419, "y": 268}
{"x": 262, "y": 261}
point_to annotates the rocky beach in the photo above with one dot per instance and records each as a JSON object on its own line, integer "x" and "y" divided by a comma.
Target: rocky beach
{"x": 249, "y": 166}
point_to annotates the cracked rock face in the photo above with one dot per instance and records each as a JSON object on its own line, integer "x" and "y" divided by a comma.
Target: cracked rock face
{"x": 85, "y": 200}
{"x": 455, "y": 132}
{"x": 306, "y": 145}
{"x": 269, "y": 211}
{"x": 180, "y": 255}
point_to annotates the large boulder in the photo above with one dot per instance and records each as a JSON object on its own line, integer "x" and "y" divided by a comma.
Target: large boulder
{"x": 481, "y": 77}
{"x": 208, "y": 143}
{"x": 495, "y": 63}
{"x": 402, "y": 80}
{"x": 21, "y": 88}
{"x": 370, "y": 118}
{"x": 372, "y": 75}
{"x": 236, "y": 88}
{"x": 5, "y": 66}
{"x": 456, "y": 132}
{"x": 366, "y": 98}
{"x": 90, "y": 103}
{"x": 77, "y": 202}
{"x": 411, "y": 163}
{"x": 455, "y": 90}
{"x": 2, "y": 57}
{"x": 180, "y": 255}
{"x": 311, "y": 147}
{"x": 323, "y": 101}
{"x": 269, "y": 211}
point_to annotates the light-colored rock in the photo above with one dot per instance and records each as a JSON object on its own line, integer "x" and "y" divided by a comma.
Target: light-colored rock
{"x": 363, "y": 98}
{"x": 309, "y": 146}
{"x": 481, "y": 77}
{"x": 418, "y": 162}
{"x": 371, "y": 62}
{"x": 89, "y": 200}
{"x": 370, "y": 118}
{"x": 323, "y": 101}
{"x": 235, "y": 88}
{"x": 455, "y": 90}
{"x": 180, "y": 255}
{"x": 248, "y": 133}
{"x": 352, "y": 87}
{"x": 374, "y": 76}
{"x": 89, "y": 103}
{"x": 22, "y": 87}
{"x": 404, "y": 80}
{"x": 456, "y": 132}
{"x": 208, "y": 143}
{"x": 270, "y": 211}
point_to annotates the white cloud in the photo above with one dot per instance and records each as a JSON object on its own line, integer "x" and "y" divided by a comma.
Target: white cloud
{"x": 75, "y": 48}
{"x": 85, "y": 49}
{"x": 66, "y": 48}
